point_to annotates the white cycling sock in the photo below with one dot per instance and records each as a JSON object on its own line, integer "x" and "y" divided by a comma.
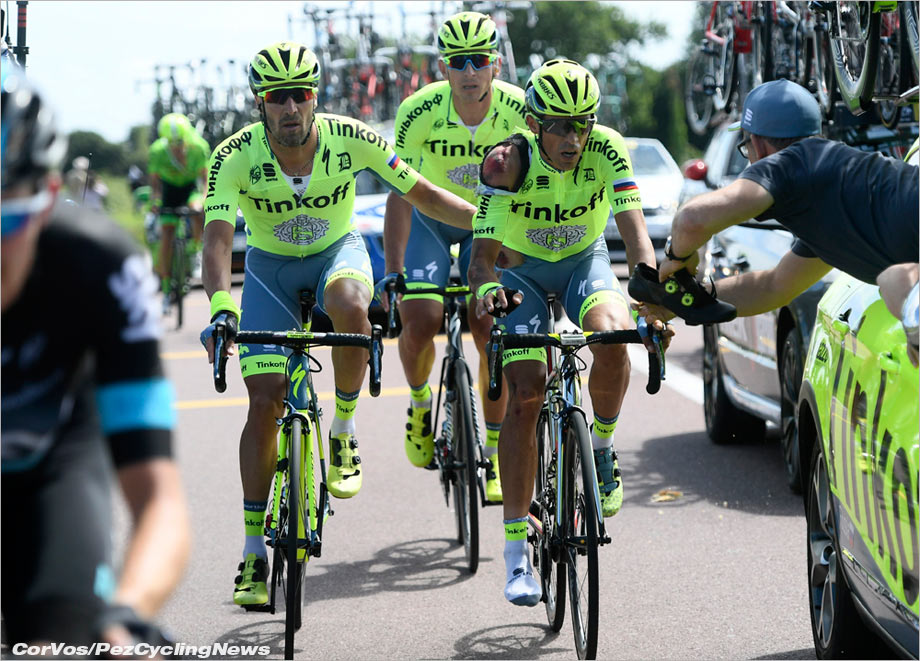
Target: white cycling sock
{"x": 340, "y": 426}
{"x": 521, "y": 586}
{"x": 255, "y": 544}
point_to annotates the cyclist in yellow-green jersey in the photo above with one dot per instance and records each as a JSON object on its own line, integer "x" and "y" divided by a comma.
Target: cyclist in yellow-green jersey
{"x": 547, "y": 197}
{"x": 293, "y": 176}
{"x": 444, "y": 130}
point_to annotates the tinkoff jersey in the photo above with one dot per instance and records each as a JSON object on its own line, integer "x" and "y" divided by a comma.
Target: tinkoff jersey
{"x": 431, "y": 137}
{"x": 244, "y": 172}
{"x": 558, "y": 214}
{"x": 162, "y": 163}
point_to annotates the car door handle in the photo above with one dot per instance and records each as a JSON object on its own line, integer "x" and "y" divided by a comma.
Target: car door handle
{"x": 889, "y": 364}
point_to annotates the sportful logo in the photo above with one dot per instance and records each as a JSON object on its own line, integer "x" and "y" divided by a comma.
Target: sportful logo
{"x": 134, "y": 288}
{"x": 542, "y": 182}
{"x": 557, "y": 238}
{"x": 269, "y": 170}
{"x": 748, "y": 116}
{"x": 465, "y": 175}
{"x": 302, "y": 230}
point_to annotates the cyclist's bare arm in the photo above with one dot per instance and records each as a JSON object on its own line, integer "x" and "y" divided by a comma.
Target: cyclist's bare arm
{"x": 440, "y": 204}
{"x": 215, "y": 276}
{"x": 483, "y": 255}
{"x": 159, "y": 545}
{"x": 632, "y": 228}
{"x": 396, "y": 226}
{"x": 710, "y": 213}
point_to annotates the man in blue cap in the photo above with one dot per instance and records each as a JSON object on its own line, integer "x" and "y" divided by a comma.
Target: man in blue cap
{"x": 848, "y": 209}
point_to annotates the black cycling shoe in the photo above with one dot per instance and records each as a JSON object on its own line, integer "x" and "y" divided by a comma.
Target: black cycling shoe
{"x": 681, "y": 294}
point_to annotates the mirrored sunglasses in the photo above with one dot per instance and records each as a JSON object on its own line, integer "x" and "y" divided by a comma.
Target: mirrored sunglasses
{"x": 562, "y": 125}
{"x": 478, "y": 60}
{"x": 299, "y": 94}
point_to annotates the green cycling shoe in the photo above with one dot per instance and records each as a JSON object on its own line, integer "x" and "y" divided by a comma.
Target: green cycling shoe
{"x": 609, "y": 481}
{"x": 419, "y": 437}
{"x": 251, "y": 589}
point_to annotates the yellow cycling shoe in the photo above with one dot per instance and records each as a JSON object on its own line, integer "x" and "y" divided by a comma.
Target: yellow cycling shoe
{"x": 344, "y": 477}
{"x": 419, "y": 437}
{"x": 493, "y": 481}
{"x": 609, "y": 481}
{"x": 250, "y": 587}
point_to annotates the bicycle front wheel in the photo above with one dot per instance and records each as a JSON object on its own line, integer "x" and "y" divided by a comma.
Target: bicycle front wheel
{"x": 466, "y": 468}
{"x": 552, "y": 575}
{"x": 698, "y": 94}
{"x": 855, "y": 45}
{"x": 580, "y": 540}
{"x": 297, "y": 511}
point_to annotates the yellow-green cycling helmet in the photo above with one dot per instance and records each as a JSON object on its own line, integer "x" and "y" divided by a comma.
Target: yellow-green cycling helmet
{"x": 175, "y": 127}
{"x": 467, "y": 31}
{"x": 562, "y": 87}
{"x": 285, "y": 64}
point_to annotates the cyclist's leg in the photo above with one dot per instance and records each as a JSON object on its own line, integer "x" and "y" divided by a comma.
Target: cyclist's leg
{"x": 167, "y": 234}
{"x": 594, "y": 298}
{"x": 344, "y": 293}
{"x": 196, "y": 222}
{"x": 427, "y": 264}
{"x": 493, "y": 412}
{"x": 58, "y": 588}
{"x": 269, "y": 302}
{"x": 524, "y": 376}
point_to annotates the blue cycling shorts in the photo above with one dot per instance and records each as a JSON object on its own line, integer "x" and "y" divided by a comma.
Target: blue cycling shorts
{"x": 427, "y": 260}
{"x": 580, "y": 282}
{"x": 271, "y": 291}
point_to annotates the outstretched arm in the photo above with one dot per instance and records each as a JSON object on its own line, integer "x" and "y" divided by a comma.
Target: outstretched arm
{"x": 440, "y": 204}
{"x": 709, "y": 214}
{"x": 756, "y": 292}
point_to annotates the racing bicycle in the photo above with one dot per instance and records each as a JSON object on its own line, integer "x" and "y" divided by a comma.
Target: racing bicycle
{"x": 458, "y": 453}
{"x": 299, "y": 507}
{"x": 179, "y": 281}
{"x": 566, "y": 523}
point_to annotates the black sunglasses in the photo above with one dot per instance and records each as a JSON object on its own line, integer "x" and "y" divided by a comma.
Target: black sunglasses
{"x": 743, "y": 146}
{"x": 563, "y": 125}
{"x": 280, "y": 97}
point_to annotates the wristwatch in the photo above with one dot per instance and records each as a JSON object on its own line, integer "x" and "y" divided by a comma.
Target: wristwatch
{"x": 670, "y": 255}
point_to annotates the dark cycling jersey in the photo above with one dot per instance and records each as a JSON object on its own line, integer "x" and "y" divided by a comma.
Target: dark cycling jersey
{"x": 80, "y": 361}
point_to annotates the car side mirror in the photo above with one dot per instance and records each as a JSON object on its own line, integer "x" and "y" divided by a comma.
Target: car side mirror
{"x": 695, "y": 169}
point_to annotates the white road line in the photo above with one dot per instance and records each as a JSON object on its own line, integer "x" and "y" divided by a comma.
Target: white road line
{"x": 676, "y": 378}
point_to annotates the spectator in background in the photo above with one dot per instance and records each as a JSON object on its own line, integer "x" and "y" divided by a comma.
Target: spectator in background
{"x": 84, "y": 186}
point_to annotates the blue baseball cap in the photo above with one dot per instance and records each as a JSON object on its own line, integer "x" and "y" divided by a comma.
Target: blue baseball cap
{"x": 780, "y": 109}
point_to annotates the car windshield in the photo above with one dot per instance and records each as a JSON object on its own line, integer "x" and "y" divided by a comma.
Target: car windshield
{"x": 648, "y": 160}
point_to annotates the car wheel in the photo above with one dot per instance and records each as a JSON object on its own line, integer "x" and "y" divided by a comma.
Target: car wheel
{"x": 725, "y": 423}
{"x": 837, "y": 629}
{"x": 790, "y": 379}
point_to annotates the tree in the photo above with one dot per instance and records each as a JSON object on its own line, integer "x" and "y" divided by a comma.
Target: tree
{"x": 103, "y": 155}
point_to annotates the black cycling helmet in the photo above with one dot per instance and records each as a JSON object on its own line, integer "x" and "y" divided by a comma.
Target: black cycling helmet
{"x": 30, "y": 143}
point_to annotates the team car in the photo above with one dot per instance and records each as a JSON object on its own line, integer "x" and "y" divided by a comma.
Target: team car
{"x": 858, "y": 441}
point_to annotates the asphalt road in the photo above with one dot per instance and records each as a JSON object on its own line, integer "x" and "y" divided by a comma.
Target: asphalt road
{"x": 716, "y": 573}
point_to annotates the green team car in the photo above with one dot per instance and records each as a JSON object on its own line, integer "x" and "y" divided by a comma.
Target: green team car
{"x": 858, "y": 432}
